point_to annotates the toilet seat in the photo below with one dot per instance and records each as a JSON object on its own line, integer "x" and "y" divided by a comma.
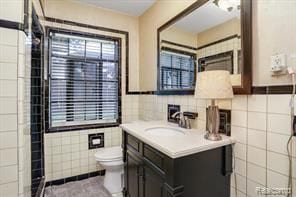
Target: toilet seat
{"x": 109, "y": 154}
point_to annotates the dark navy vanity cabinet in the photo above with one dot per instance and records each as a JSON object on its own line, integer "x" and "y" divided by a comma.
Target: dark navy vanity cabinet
{"x": 150, "y": 173}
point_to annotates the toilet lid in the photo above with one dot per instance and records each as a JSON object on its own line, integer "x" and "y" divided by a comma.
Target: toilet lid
{"x": 109, "y": 154}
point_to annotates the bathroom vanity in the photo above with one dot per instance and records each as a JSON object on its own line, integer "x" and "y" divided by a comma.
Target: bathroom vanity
{"x": 173, "y": 164}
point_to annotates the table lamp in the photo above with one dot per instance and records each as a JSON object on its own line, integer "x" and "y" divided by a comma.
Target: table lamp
{"x": 213, "y": 85}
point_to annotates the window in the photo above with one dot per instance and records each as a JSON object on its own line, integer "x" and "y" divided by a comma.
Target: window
{"x": 221, "y": 61}
{"x": 83, "y": 80}
{"x": 177, "y": 69}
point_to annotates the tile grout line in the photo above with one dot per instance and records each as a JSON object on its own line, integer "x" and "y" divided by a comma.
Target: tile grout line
{"x": 17, "y": 118}
{"x": 266, "y": 139}
{"x": 247, "y": 146}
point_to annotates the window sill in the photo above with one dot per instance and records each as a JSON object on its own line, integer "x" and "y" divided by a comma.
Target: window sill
{"x": 80, "y": 127}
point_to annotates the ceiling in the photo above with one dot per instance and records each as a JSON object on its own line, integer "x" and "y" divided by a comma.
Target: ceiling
{"x": 205, "y": 17}
{"x": 130, "y": 7}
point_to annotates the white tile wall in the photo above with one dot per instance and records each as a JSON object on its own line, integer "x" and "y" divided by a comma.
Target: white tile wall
{"x": 256, "y": 173}
{"x": 257, "y": 120}
{"x": 251, "y": 188}
{"x": 261, "y": 126}
{"x": 257, "y": 138}
{"x": 240, "y": 134}
{"x": 9, "y": 189}
{"x": 67, "y": 153}
{"x": 15, "y": 169}
{"x": 239, "y": 118}
{"x": 240, "y": 151}
{"x": 278, "y": 163}
{"x": 240, "y": 182}
{"x": 8, "y": 105}
{"x": 8, "y": 157}
{"x": 8, "y": 112}
{"x": 276, "y": 180}
{"x": 12, "y": 10}
{"x": 24, "y": 115}
{"x": 257, "y": 103}
{"x": 240, "y": 103}
{"x": 277, "y": 143}
{"x": 240, "y": 167}
{"x": 256, "y": 156}
{"x": 279, "y": 104}
{"x": 278, "y": 123}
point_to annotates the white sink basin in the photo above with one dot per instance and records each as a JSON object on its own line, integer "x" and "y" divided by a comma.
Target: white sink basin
{"x": 164, "y": 131}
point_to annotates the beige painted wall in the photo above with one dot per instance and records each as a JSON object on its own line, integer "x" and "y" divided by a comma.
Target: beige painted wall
{"x": 219, "y": 32}
{"x": 274, "y": 28}
{"x": 153, "y": 18}
{"x": 38, "y": 8}
{"x": 179, "y": 36}
{"x": 87, "y": 14}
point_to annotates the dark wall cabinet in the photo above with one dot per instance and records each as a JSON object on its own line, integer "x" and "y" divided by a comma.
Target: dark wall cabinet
{"x": 150, "y": 173}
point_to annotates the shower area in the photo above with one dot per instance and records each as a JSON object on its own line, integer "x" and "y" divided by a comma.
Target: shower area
{"x": 37, "y": 114}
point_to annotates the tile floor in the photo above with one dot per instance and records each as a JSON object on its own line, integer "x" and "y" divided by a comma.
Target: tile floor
{"x": 92, "y": 187}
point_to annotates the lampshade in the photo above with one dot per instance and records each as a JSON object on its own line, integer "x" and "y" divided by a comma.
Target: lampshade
{"x": 214, "y": 84}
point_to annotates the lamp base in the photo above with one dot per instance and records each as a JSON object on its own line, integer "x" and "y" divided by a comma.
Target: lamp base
{"x": 213, "y": 136}
{"x": 213, "y": 121}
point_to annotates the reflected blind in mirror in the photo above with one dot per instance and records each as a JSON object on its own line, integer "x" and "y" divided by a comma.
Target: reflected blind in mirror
{"x": 177, "y": 70}
{"x": 83, "y": 80}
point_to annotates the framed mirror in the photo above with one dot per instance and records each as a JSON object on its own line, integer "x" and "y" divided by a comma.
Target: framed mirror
{"x": 208, "y": 35}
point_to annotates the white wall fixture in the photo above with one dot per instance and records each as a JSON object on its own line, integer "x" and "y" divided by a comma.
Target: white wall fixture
{"x": 228, "y": 5}
{"x": 278, "y": 64}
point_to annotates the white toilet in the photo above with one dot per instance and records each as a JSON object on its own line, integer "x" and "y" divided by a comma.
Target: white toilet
{"x": 111, "y": 160}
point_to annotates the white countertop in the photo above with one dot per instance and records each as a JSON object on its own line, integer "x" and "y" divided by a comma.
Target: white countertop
{"x": 191, "y": 142}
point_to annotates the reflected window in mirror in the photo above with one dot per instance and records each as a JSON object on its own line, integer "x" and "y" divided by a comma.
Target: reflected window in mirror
{"x": 221, "y": 61}
{"x": 239, "y": 61}
{"x": 177, "y": 69}
{"x": 214, "y": 31}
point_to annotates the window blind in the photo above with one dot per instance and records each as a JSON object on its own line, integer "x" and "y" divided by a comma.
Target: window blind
{"x": 177, "y": 70}
{"x": 84, "y": 80}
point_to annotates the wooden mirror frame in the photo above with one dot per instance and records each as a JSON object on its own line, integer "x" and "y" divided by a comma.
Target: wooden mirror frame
{"x": 246, "y": 43}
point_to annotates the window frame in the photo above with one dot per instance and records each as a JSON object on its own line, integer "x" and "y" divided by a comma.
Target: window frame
{"x": 47, "y": 121}
{"x": 218, "y": 55}
{"x": 159, "y": 78}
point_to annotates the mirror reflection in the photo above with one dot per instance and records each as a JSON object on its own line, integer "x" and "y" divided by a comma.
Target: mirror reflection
{"x": 209, "y": 38}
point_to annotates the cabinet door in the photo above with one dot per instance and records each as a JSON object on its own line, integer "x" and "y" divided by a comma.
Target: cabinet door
{"x": 153, "y": 183}
{"x": 134, "y": 176}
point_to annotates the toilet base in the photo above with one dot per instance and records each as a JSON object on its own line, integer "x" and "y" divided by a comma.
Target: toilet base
{"x": 113, "y": 181}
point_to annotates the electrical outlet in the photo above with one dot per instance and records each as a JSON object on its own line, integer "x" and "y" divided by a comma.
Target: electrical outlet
{"x": 278, "y": 63}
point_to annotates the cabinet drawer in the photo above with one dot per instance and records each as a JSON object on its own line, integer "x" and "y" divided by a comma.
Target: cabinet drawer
{"x": 154, "y": 156}
{"x": 133, "y": 142}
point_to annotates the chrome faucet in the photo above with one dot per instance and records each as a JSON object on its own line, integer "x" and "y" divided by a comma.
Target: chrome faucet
{"x": 184, "y": 118}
